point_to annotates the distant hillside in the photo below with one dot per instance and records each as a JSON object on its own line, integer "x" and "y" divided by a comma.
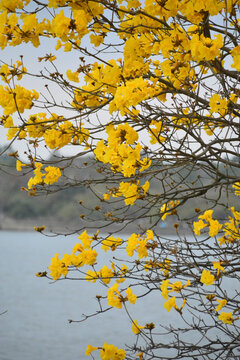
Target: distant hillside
{"x": 62, "y": 206}
{"x": 70, "y": 205}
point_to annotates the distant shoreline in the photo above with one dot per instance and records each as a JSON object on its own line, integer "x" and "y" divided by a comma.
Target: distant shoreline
{"x": 9, "y": 224}
{"x": 56, "y": 227}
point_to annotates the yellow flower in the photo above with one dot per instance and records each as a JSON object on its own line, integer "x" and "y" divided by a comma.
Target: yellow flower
{"x": 67, "y": 260}
{"x": 214, "y": 228}
{"x": 146, "y": 186}
{"x": 236, "y": 214}
{"x": 169, "y": 208}
{"x": 72, "y": 76}
{"x": 177, "y": 286}
{"x": 150, "y": 235}
{"x": 132, "y": 244}
{"x": 57, "y": 268}
{"x": 85, "y": 257}
{"x": 96, "y": 40}
{"x": 68, "y": 47}
{"x": 52, "y": 174}
{"x": 123, "y": 271}
{"x": 18, "y": 99}
{"x": 207, "y": 278}
{"x": 170, "y": 303}
{"x": 133, "y": 4}
{"x": 164, "y": 289}
{"x": 165, "y": 266}
{"x": 129, "y": 191}
{"x": 86, "y": 240}
{"x": 204, "y": 48}
{"x": 236, "y": 57}
{"x": 198, "y": 226}
{"x": 217, "y": 265}
{"x": 91, "y": 276}
{"x": 237, "y": 187}
{"x": 89, "y": 349}
{"x": 218, "y": 105}
{"x": 207, "y": 216}
{"x": 221, "y": 304}
{"x": 142, "y": 249}
{"x": 106, "y": 196}
{"x": 60, "y": 26}
{"x": 222, "y": 240}
{"x": 77, "y": 247}
{"x": 114, "y": 297}
{"x": 37, "y": 179}
{"x": 136, "y": 328}
{"x": 29, "y": 22}
{"x": 19, "y": 165}
{"x": 89, "y": 256}
{"x": 106, "y": 274}
{"x": 111, "y": 243}
{"x": 131, "y": 297}
{"x": 155, "y": 133}
{"x": 111, "y": 352}
{"x": 226, "y": 318}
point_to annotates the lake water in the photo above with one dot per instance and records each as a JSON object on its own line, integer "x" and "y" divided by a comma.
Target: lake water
{"x": 35, "y": 326}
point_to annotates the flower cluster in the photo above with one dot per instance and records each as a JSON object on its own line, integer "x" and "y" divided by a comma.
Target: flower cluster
{"x": 131, "y": 191}
{"x": 82, "y": 254}
{"x": 17, "y": 99}
{"x": 138, "y": 244}
{"x": 116, "y": 298}
{"x": 120, "y": 151}
{"x": 174, "y": 287}
{"x": 107, "y": 352}
{"x": 50, "y": 176}
{"x": 213, "y": 225}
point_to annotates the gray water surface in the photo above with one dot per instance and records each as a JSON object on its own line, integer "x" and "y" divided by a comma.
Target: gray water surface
{"x": 35, "y": 326}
